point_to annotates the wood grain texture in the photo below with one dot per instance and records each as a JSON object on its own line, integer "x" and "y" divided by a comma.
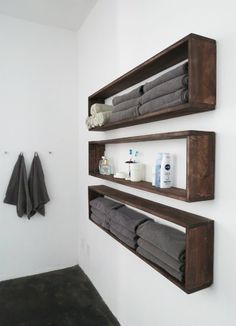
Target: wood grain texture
{"x": 199, "y": 237}
{"x": 199, "y": 256}
{"x": 200, "y": 167}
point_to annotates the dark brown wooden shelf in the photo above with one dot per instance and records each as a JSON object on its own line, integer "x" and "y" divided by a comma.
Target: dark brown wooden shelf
{"x": 200, "y": 152}
{"x": 173, "y": 192}
{"x": 199, "y": 237}
{"x": 201, "y": 55}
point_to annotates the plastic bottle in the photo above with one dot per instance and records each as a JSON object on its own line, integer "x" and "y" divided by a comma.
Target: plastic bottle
{"x": 166, "y": 171}
{"x": 158, "y": 170}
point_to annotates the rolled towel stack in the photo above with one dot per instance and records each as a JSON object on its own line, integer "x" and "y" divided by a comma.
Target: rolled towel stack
{"x": 100, "y": 115}
{"x": 170, "y": 89}
{"x": 101, "y": 208}
{"x": 163, "y": 246}
{"x": 123, "y": 224}
{"x": 126, "y": 106}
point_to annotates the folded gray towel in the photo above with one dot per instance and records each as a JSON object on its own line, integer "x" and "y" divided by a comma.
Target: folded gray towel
{"x": 127, "y": 217}
{"x": 105, "y": 219}
{"x": 178, "y": 275}
{"x": 37, "y": 188}
{"x": 165, "y": 88}
{"x": 127, "y": 105}
{"x": 104, "y": 205}
{"x": 169, "y": 100}
{"x": 137, "y": 92}
{"x": 18, "y": 191}
{"x": 129, "y": 242}
{"x": 180, "y": 70}
{"x": 100, "y": 221}
{"x": 122, "y": 230}
{"x": 168, "y": 239}
{"x": 160, "y": 254}
{"x": 125, "y": 114}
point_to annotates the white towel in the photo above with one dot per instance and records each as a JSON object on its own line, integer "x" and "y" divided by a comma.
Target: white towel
{"x": 103, "y": 117}
{"x": 98, "y": 107}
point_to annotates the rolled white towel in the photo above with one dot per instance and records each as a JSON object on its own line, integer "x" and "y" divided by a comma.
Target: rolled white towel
{"x": 103, "y": 117}
{"x": 98, "y": 107}
{"x": 88, "y": 122}
{"x": 94, "y": 121}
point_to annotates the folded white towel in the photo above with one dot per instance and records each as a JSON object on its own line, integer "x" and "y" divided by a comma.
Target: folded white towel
{"x": 98, "y": 107}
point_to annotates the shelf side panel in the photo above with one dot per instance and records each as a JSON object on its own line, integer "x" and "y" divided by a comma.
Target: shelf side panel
{"x": 96, "y": 151}
{"x": 200, "y": 167}
{"x": 199, "y": 257}
{"x": 202, "y": 71}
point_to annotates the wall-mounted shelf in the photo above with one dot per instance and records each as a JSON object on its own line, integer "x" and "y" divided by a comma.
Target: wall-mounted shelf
{"x": 199, "y": 237}
{"x": 201, "y": 55}
{"x": 200, "y": 165}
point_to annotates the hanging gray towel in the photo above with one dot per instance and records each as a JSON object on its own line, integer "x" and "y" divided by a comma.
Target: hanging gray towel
{"x": 137, "y": 92}
{"x": 180, "y": 70}
{"x": 166, "y": 238}
{"x": 17, "y": 191}
{"x": 37, "y": 188}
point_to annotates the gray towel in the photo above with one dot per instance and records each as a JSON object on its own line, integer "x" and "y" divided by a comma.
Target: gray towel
{"x": 130, "y": 243}
{"x": 167, "y": 87}
{"x": 178, "y": 275}
{"x": 104, "y": 205}
{"x": 127, "y": 217}
{"x": 137, "y": 92}
{"x": 178, "y": 71}
{"x": 160, "y": 254}
{"x": 102, "y": 217}
{"x": 99, "y": 221}
{"x": 122, "y": 230}
{"x": 17, "y": 191}
{"x": 37, "y": 188}
{"x": 126, "y": 114}
{"x": 127, "y": 104}
{"x": 169, "y": 100}
{"x": 168, "y": 239}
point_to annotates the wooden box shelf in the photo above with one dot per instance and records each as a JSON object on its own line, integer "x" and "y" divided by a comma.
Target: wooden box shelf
{"x": 199, "y": 237}
{"x": 201, "y": 55}
{"x": 200, "y": 165}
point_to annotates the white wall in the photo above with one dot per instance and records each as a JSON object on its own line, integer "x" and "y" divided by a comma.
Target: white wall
{"x": 38, "y": 109}
{"x": 117, "y": 36}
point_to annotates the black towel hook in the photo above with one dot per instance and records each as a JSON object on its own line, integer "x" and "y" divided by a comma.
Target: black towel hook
{"x": 35, "y": 154}
{"x": 21, "y": 153}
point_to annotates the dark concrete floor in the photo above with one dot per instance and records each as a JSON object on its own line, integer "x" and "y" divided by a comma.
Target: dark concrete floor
{"x": 61, "y": 298}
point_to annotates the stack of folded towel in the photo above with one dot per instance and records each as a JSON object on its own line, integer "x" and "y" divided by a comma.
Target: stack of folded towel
{"x": 170, "y": 89}
{"x": 163, "y": 246}
{"x": 123, "y": 224}
{"x": 101, "y": 208}
{"x": 100, "y": 114}
{"x": 126, "y": 106}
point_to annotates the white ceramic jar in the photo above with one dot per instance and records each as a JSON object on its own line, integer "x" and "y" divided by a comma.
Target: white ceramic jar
{"x": 136, "y": 172}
